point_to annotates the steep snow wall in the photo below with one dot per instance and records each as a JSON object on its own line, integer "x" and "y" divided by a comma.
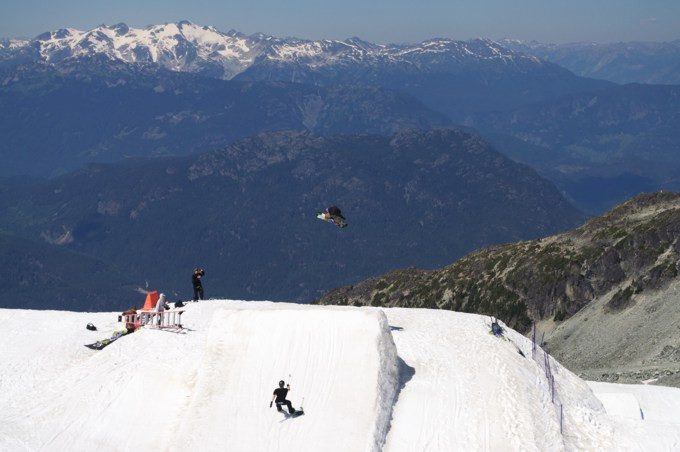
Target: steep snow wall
{"x": 342, "y": 362}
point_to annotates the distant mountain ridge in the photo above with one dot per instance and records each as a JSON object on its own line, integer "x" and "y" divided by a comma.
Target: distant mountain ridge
{"x": 588, "y": 128}
{"x": 246, "y": 213}
{"x": 601, "y": 148}
{"x": 187, "y": 47}
{"x": 70, "y": 97}
{"x": 452, "y": 77}
{"x": 622, "y": 62}
{"x": 57, "y": 118}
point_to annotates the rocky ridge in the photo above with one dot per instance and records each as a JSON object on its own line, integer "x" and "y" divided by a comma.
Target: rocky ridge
{"x": 630, "y": 250}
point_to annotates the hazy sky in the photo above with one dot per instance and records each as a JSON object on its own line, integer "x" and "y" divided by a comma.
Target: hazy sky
{"x": 380, "y": 21}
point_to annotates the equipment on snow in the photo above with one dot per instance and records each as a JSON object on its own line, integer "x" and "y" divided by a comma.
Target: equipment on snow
{"x": 104, "y": 342}
{"x": 301, "y": 411}
{"x": 297, "y": 413}
{"x": 91, "y": 327}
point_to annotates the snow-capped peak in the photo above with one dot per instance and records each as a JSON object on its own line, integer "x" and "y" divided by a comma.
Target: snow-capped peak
{"x": 181, "y": 46}
{"x": 184, "y": 46}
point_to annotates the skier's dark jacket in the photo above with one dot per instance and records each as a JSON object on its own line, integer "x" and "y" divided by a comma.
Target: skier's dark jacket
{"x": 280, "y": 394}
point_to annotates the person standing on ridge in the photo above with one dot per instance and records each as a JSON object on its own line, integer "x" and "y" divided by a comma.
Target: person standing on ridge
{"x": 279, "y": 398}
{"x": 196, "y": 282}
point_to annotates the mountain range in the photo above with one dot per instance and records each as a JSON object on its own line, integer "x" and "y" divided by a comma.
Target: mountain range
{"x": 454, "y": 77}
{"x": 187, "y": 47}
{"x": 58, "y": 118}
{"x": 130, "y": 156}
{"x": 71, "y": 97}
{"x": 177, "y": 92}
{"x": 620, "y": 62}
{"x": 414, "y": 198}
{"x": 599, "y": 148}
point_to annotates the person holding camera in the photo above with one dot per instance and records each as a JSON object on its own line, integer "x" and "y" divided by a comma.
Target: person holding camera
{"x": 196, "y": 282}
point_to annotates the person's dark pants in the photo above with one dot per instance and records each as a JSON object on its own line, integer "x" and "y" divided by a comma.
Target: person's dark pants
{"x": 198, "y": 293}
{"x": 291, "y": 410}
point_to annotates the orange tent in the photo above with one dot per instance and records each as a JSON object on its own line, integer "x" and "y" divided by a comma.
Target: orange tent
{"x": 151, "y": 300}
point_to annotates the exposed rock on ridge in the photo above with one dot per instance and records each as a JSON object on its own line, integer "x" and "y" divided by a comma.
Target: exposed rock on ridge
{"x": 631, "y": 249}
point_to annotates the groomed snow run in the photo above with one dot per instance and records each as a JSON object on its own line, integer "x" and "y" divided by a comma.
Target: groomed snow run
{"x": 372, "y": 380}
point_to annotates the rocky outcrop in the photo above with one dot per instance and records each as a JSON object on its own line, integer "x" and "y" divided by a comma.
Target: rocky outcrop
{"x": 629, "y": 250}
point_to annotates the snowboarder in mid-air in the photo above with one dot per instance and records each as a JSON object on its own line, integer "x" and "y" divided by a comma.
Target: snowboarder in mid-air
{"x": 279, "y": 398}
{"x": 333, "y": 214}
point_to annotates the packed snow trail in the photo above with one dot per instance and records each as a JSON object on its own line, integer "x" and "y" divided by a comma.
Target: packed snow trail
{"x": 342, "y": 362}
{"x": 498, "y": 400}
{"x": 204, "y": 390}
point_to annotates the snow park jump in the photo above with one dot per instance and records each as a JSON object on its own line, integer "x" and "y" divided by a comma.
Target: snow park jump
{"x": 343, "y": 362}
{"x": 370, "y": 379}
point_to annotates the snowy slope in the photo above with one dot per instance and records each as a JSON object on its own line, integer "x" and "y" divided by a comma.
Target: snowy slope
{"x": 656, "y": 424}
{"x": 372, "y": 379}
{"x": 329, "y": 354}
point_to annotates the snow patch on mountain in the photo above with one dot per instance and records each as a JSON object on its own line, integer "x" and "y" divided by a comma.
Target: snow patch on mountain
{"x": 14, "y": 44}
{"x": 180, "y": 47}
{"x": 184, "y": 46}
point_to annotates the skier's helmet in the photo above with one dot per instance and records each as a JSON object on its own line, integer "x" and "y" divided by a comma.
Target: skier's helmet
{"x": 281, "y": 383}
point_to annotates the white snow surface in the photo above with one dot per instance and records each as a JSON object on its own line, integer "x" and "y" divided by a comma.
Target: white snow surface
{"x": 369, "y": 379}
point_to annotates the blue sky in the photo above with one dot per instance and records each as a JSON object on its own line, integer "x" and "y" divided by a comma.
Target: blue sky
{"x": 380, "y": 21}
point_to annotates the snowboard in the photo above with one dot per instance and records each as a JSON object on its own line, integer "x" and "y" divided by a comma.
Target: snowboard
{"x": 324, "y": 217}
{"x": 104, "y": 342}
